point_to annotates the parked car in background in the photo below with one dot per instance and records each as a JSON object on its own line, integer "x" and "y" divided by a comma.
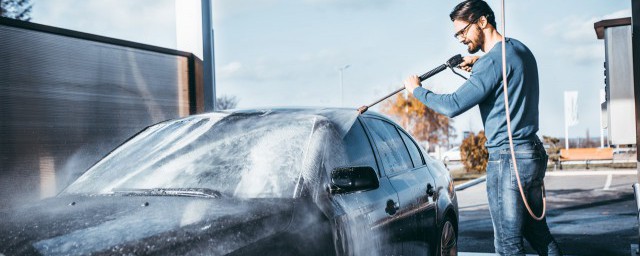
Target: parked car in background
{"x": 451, "y": 155}
{"x": 250, "y": 182}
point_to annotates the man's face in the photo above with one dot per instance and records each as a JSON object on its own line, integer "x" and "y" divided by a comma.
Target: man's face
{"x": 469, "y": 34}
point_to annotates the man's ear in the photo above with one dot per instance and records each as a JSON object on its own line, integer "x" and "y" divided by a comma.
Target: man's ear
{"x": 482, "y": 22}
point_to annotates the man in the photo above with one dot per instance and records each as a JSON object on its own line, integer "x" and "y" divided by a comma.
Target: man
{"x": 475, "y": 26}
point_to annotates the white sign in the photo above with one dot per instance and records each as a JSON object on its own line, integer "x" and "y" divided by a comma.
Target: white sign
{"x": 570, "y": 108}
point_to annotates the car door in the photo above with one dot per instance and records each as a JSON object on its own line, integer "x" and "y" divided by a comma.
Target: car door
{"x": 366, "y": 227}
{"x": 424, "y": 194}
{"x": 405, "y": 168}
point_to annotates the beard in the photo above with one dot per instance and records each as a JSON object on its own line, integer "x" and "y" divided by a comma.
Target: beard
{"x": 473, "y": 48}
{"x": 475, "y": 45}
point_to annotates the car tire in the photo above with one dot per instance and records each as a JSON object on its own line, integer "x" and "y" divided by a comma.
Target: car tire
{"x": 447, "y": 239}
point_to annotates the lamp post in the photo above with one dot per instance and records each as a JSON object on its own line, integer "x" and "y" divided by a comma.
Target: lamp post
{"x": 341, "y": 69}
{"x": 208, "y": 74}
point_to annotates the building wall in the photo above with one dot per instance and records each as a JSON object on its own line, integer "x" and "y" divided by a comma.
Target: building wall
{"x": 68, "y": 98}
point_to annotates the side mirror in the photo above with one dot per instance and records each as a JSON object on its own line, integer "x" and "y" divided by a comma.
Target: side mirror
{"x": 353, "y": 179}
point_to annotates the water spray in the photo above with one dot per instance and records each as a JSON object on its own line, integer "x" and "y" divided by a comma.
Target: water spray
{"x": 451, "y": 63}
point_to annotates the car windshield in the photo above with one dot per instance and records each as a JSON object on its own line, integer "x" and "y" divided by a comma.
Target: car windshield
{"x": 239, "y": 155}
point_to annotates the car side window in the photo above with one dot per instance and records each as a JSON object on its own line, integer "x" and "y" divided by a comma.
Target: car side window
{"x": 358, "y": 148}
{"x": 393, "y": 153}
{"x": 414, "y": 151}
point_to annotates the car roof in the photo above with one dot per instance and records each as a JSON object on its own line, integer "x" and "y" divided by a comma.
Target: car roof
{"x": 330, "y": 113}
{"x": 322, "y": 111}
{"x": 341, "y": 118}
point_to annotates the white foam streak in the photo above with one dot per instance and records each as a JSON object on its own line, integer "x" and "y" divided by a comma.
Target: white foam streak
{"x": 193, "y": 212}
{"x": 178, "y": 142}
{"x": 271, "y": 164}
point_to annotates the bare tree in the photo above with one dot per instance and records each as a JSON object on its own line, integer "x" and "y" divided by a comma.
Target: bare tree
{"x": 16, "y": 9}
{"x": 226, "y": 102}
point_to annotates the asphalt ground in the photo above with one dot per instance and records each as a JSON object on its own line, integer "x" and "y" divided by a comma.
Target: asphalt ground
{"x": 589, "y": 213}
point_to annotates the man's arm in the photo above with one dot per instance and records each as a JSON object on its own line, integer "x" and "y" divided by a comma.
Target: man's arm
{"x": 482, "y": 82}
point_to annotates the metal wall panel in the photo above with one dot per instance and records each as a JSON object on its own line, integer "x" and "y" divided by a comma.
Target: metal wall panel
{"x": 620, "y": 93}
{"x": 66, "y": 101}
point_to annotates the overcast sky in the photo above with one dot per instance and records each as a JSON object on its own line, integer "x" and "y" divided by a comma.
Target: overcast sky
{"x": 287, "y": 52}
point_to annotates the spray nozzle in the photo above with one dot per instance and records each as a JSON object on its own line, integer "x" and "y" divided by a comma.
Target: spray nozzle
{"x": 454, "y": 61}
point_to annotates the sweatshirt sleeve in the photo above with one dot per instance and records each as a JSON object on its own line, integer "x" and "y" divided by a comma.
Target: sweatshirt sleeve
{"x": 482, "y": 82}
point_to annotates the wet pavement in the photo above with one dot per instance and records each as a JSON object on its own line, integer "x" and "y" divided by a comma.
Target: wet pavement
{"x": 589, "y": 213}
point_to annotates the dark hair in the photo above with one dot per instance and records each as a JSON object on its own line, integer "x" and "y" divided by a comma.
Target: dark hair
{"x": 471, "y": 10}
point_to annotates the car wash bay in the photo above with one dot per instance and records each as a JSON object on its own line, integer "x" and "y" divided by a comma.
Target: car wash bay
{"x": 590, "y": 212}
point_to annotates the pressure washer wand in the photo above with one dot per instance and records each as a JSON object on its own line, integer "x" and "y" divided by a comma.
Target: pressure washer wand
{"x": 452, "y": 62}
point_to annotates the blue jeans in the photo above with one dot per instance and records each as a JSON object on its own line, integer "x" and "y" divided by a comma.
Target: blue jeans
{"x": 511, "y": 220}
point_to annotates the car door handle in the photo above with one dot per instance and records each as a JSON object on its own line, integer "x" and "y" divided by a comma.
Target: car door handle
{"x": 392, "y": 207}
{"x": 430, "y": 190}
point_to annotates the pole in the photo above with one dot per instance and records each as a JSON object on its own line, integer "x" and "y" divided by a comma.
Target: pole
{"x": 341, "y": 84}
{"x": 601, "y": 132}
{"x": 566, "y": 134}
{"x": 570, "y": 98}
{"x": 341, "y": 89}
{"x": 209, "y": 89}
{"x": 601, "y": 101}
{"x": 635, "y": 42}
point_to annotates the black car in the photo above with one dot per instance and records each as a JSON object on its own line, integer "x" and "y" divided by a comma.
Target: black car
{"x": 250, "y": 182}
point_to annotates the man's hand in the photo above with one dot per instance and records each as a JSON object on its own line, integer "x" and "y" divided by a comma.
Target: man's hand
{"x": 411, "y": 83}
{"x": 467, "y": 63}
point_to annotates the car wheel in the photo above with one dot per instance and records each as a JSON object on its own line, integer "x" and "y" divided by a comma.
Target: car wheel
{"x": 448, "y": 244}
